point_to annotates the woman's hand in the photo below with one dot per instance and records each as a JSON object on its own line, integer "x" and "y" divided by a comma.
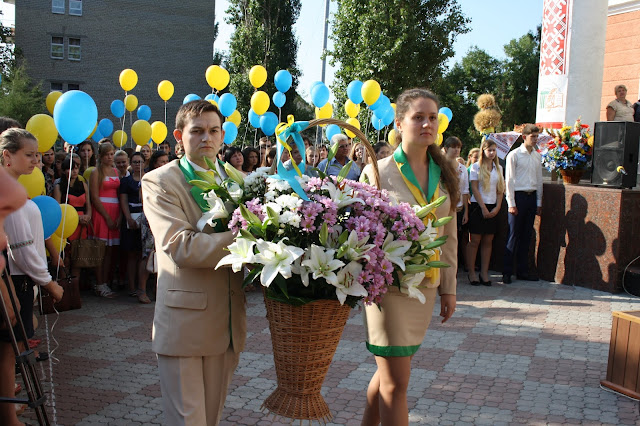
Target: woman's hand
{"x": 485, "y": 212}
{"x": 132, "y": 223}
{"x": 447, "y": 306}
{"x": 55, "y": 290}
{"x": 110, "y": 223}
{"x": 465, "y": 217}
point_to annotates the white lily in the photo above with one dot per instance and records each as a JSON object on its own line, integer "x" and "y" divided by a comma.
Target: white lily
{"x": 394, "y": 250}
{"x": 409, "y": 285}
{"x": 277, "y": 258}
{"x": 356, "y": 249}
{"x": 298, "y": 269}
{"x": 241, "y": 252}
{"x": 235, "y": 191}
{"x": 217, "y": 211}
{"x": 428, "y": 235}
{"x": 347, "y": 282}
{"x": 322, "y": 264}
{"x": 341, "y": 198}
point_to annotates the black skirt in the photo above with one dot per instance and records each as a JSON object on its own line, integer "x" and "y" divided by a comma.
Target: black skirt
{"x": 24, "y": 291}
{"x": 478, "y": 224}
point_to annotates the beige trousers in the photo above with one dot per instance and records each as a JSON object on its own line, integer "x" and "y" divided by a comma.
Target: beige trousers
{"x": 194, "y": 388}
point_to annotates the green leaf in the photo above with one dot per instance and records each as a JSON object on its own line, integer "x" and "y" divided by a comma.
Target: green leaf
{"x": 344, "y": 171}
{"x": 343, "y": 237}
{"x": 247, "y": 235}
{"x": 416, "y": 269}
{"x": 438, "y": 264}
{"x": 332, "y": 154}
{"x": 434, "y": 244}
{"x": 205, "y": 186}
{"x": 250, "y": 217}
{"x": 251, "y": 276}
{"x": 211, "y": 164}
{"x": 442, "y": 221}
{"x": 324, "y": 234}
{"x": 273, "y": 217}
{"x": 206, "y": 176}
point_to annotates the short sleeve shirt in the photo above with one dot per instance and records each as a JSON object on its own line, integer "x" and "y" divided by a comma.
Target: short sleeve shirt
{"x": 490, "y": 196}
{"x": 624, "y": 112}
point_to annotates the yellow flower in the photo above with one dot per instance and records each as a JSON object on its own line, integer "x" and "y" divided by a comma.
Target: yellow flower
{"x": 590, "y": 140}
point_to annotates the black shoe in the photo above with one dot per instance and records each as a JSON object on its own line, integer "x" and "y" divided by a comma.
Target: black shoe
{"x": 527, "y": 277}
{"x": 483, "y": 282}
{"x": 474, "y": 283}
{"x": 506, "y": 279}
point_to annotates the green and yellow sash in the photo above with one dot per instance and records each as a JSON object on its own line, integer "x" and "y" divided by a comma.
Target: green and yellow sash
{"x": 433, "y": 193}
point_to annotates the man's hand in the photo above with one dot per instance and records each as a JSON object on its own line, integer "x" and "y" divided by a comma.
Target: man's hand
{"x": 55, "y": 290}
{"x": 513, "y": 211}
{"x": 447, "y": 306}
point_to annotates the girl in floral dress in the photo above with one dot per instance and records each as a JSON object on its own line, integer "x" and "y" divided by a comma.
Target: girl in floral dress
{"x": 104, "y": 185}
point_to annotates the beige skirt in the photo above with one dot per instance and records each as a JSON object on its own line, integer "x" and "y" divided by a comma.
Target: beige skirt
{"x": 398, "y": 326}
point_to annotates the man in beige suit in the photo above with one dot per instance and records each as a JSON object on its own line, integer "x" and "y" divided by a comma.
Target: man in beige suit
{"x": 199, "y": 327}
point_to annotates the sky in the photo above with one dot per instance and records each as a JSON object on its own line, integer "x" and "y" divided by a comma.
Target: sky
{"x": 493, "y": 24}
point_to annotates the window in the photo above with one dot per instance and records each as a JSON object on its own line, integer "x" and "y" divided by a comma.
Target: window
{"x": 75, "y": 7}
{"x": 57, "y": 47}
{"x": 73, "y": 86}
{"x": 56, "y": 86}
{"x": 57, "y": 6}
{"x": 74, "y": 49}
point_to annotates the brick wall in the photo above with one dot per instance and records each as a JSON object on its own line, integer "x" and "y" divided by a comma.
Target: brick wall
{"x": 621, "y": 58}
{"x": 159, "y": 39}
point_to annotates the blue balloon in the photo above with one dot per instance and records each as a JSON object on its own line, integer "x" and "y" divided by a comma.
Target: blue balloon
{"x": 283, "y": 80}
{"x": 254, "y": 119}
{"x": 50, "y": 211}
{"x": 446, "y": 111}
{"x": 279, "y": 99}
{"x": 268, "y": 123}
{"x": 230, "y": 132}
{"x": 191, "y": 97}
{"x": 97, "y": 135}
{"x": 227, "y": 104}
{"x": 388, "y": 115}
{"x": 331, "y": 130}
{"x": 320, "y": 95}
{"x": 75, "y": 116}
{"x": 354, "y": 91}
{"x": 144, "y": 113}
{"x": 105, "y": 127}
{"x": 377, "y": 122}
{"x": 117, "y": 108}
{"x": 212, "y": 97}
{"x": 382, "y": 102}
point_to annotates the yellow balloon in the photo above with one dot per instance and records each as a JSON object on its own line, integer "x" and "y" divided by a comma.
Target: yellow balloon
{"x": 56, "y": 243}
{"x": 235, "y": 118}
{"x": 87, "y": 173}
{"x": 260, "y": 102}
{"x": 443, "y": 123}
{"x": 141, "y": 132}
{"x": 391, "y": 137}
{"x": 128, "y": 79}
{"x": 119, "y": 138}
{"x": 44, "y": 129}
{"x": 355, "y": 123}
{"x": 325, "y": 112}
{"x": 69, "y": 219}
{"x": 94, "y": 130}
{"x": 33, "y": 183}
{"x": 217, "y": 77}
{"x": 439, "y": 139}
{"x": 393, "y": 105}
{"x": 130, "y": 102}
{"x": 165, "y": 90}
{"x": 52, "y": 98}
{"x": 351, "y": 109}
{"x": 370, "y": 91}
{"x": 257, "y": 76}
{"x": 158, "y": 131}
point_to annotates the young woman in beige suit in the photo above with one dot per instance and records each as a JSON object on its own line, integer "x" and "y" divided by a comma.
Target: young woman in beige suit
{"x": 417, "y": 173}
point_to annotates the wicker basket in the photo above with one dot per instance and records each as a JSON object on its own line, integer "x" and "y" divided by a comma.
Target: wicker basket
{"x": 304, "y": 340}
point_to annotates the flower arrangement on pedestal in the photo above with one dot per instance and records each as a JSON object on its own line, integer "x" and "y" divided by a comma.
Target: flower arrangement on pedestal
{"x": 570, "y": 149}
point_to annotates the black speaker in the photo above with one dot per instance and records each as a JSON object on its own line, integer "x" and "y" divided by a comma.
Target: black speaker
{"x": 615, "y": 144}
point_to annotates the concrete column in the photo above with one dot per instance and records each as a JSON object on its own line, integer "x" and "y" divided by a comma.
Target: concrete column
{"x": 571, "y": 61}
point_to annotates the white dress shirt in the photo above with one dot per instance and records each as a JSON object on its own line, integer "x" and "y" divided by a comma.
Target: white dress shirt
{"x": 524, "y": 173}
{"x": 463, "y": 179}
{"x": 491, "y": 195}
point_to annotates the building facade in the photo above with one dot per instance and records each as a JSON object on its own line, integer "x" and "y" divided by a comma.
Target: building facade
{"x": 84, "y": 45}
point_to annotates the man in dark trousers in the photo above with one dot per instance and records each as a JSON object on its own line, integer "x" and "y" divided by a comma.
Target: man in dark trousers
{"x": 524, "y": 199}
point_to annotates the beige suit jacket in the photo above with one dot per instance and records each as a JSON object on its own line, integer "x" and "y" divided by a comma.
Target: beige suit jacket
{"x": 199, "y": 311}
{"x": 393, "y": 182}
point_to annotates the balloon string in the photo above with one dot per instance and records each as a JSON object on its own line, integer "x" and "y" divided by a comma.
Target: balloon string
{"x": 255, "y": 137}
{"x": 244, "y": 138}
{"x": 279, "y": 114}
{"x": 124, "y": 115}
{"x": 130, "y": 128}
{"x": 165, "y": 113}
{"x": 64, "y": 219}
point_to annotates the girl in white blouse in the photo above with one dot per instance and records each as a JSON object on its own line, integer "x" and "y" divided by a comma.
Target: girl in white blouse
{"x": 487, "y": 187}
{"x": 27, "y": 256}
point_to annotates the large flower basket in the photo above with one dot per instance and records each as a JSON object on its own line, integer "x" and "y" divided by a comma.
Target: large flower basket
{"x": 571, "y": 177}
{"x": 304, "y": 340}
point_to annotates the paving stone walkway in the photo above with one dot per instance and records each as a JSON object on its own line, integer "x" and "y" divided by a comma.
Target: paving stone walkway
{"x": 527, "y": 353}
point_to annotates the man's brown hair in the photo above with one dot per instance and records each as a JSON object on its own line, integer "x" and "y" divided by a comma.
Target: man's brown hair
{"x": 194, "y": 109}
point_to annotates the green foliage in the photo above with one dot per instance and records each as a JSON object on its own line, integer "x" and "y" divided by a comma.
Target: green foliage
{"x": 399, "y": 43}
{"x": 19, "y": 98}
{"x": 263, "y": 36}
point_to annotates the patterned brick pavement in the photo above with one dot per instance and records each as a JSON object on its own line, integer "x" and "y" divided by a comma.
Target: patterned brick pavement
{"x": 528, "y": 353}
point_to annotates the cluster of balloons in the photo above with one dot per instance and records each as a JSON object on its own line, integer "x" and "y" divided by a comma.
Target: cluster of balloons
{"x": 59, "y": 221}
{"x": 371, "y": 94}
{"x": 259, "y": 116}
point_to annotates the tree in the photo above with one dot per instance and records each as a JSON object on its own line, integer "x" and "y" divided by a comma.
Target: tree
{"x": 263, "y": 36}
{"x": 399, "y": 43}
